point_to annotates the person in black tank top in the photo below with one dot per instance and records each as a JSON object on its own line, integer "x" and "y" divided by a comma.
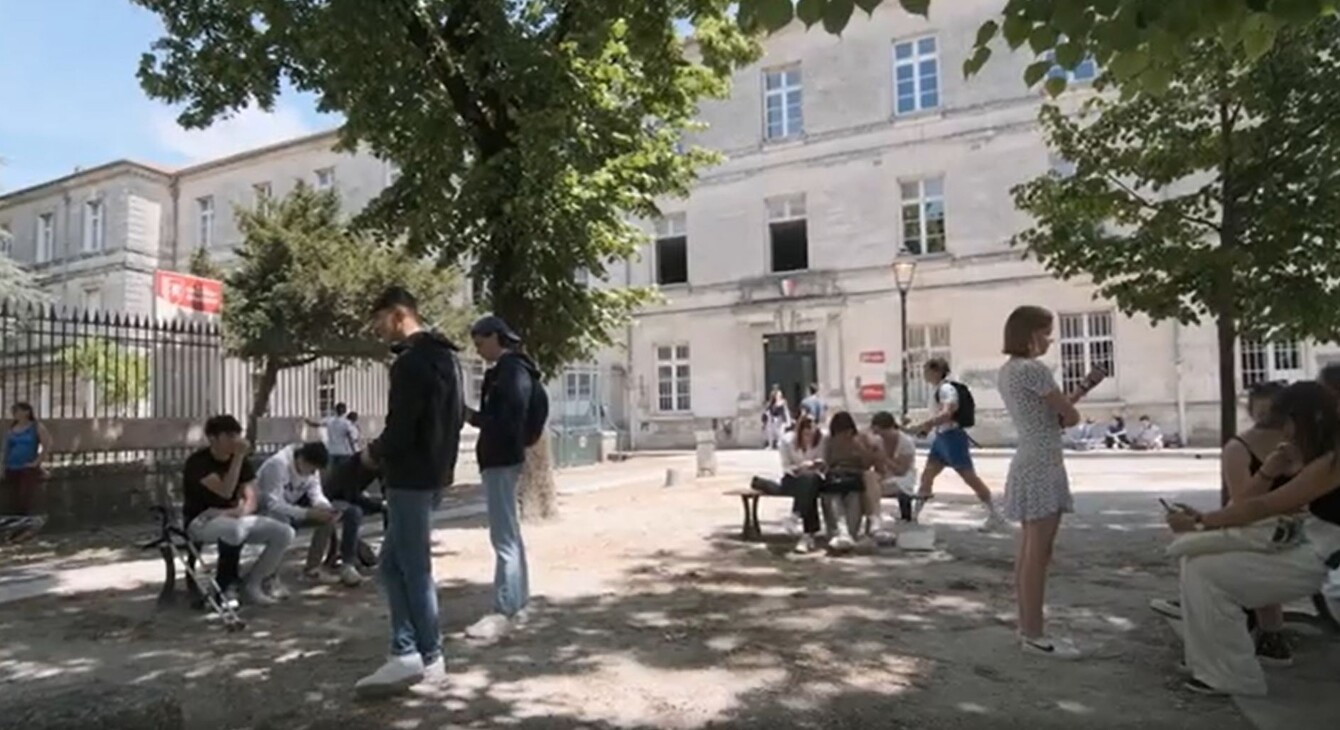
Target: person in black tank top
{"x": 1219, "y": 649}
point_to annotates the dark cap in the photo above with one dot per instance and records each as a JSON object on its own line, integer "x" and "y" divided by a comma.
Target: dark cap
{"x": 494, "y": 325}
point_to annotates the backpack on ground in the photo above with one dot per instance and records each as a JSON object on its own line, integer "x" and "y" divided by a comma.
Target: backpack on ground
{"x": 966, "y": 413}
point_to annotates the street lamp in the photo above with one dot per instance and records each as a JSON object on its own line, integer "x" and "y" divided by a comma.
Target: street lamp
{"x": 904, "y": 270}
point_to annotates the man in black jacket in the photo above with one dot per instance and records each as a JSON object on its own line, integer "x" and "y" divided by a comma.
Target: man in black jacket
{"x": 418, "y": 450}
{"x": 512, "y": 409}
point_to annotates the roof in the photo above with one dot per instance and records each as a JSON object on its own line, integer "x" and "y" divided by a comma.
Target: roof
{"x": 87, "y": 172}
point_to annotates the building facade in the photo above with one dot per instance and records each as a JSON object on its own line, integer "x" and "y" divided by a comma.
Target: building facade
{"x": 844, "y": 154}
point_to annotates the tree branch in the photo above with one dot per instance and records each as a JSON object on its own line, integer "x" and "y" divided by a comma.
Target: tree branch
{"x": 1145, "y": 203}
{"x": 431, "y": 44}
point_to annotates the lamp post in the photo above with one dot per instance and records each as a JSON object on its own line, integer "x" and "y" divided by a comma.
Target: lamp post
{"x": 904, "y": 269}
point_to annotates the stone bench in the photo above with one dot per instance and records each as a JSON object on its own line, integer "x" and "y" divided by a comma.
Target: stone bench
{"x": 90, "y": 705}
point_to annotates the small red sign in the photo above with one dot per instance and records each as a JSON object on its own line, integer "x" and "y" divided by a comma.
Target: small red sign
{"x": 874, "y": 392}
{"x": 189, "y": 292}
{"x": 873, "y": 357}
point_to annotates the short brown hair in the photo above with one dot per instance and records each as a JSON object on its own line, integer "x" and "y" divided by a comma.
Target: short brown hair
{"x": 938, "y": 364}
{"x": 1021, "y": 325}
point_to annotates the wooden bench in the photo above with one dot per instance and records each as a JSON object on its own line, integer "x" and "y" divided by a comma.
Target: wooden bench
{"x": 752, "y": 530}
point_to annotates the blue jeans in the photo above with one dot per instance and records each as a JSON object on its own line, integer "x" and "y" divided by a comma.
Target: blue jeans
{"x": 511, "y": 581}
{"x": 406, "y": 566}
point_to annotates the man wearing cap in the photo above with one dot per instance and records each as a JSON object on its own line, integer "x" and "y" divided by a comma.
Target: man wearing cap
{"x": 418, "y": 448}
{"x": 512, "y": 410}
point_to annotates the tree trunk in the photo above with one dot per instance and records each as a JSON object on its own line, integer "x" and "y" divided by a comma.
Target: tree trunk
{"x": 1226, "y": 331}
{"x": 260, "y": 397}
{"x": 536, "y": 492}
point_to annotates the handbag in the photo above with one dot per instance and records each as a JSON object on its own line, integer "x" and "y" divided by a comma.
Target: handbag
{"x": 1267, "y": 536}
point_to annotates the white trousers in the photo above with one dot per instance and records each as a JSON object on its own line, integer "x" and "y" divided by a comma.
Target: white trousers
{"x": 1215, "y": 590}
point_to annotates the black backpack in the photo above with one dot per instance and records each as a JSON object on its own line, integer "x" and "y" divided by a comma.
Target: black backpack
{"x": 537, "y": 412}
{"x": 966, "y": 413}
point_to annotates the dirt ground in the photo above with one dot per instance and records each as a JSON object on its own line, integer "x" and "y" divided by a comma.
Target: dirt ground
{"x": 650, "y": 613}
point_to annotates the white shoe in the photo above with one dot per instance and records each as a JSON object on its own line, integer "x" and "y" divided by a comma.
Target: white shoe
{"x": 1054, "y": 648}
{"x": 350, "y": 576}
{"x": 841, "y": 544}
{"x": 490, "y": 628}
{"x": 435, "y": 672}
{"x": 791, "y": 523}
{"x": 398, "y": 674}
{"x": 254, "y": 595}
{"x": 805, "y": 544}
{"x": 275, "y": 588}
{"x": 994, "y": 523}
{"x": 1167, "y": 608}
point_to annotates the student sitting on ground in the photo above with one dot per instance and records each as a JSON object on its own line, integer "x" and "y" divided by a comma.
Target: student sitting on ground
{"x": 847, "y": 457}
{"x": 220, "y": 500}
{"x": 1116, "y": 437}
{"x": 894, "y": 475}
{"x": 1220, "y": 652}
{"x": 1084, "y": 437}
{"x": 290, "y": 487}
{"x": 1149, "y": 437}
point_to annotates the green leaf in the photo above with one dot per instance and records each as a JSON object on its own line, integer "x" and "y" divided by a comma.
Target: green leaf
{"x": 1069, "y": 54}
{"x": 1042, "y": 39}
{"x": 976, "y": 61}
{"x": 868, "y": 5}
{"x": 1129, "y": 64}
{"x": 775, "y": 14}
{"x": 1036, "y": 72}
{"x": 987, "y": 33}
{"x": 1258, "y": 35}
{"x": 837, "y": 14}
{"x": 810, "y": 12}
{"x": 916, "y": 7}
{"x": 1055, "y": 86}
{"x": 1016, "y": 31}
{"x": 1069, "y": 17}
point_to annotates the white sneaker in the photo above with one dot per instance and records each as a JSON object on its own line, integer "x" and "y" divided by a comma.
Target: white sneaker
{"x": 398, "y": 674}
{"x": 435, "y": 672}
{"x": 350, "y": 576}
{"x": 805, "y": 544}
{"x": 275, "y": 588}
{"x": 884, "y": 538}
{"x": 490, "y": 628}
{"x": 994, "y": 522}
{"x": 254, "y": 595}
{"x": 791, "y": 523}
{"x": 841, "y": 544}
{"x": 1054, "y": 648}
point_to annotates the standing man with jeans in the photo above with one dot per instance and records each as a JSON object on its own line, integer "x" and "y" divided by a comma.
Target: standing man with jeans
{"x": 512, "y": 410}
{"x": 418, "y": 449}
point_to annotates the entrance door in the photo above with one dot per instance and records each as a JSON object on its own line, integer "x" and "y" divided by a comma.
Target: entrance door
{"x": 789, "y": 361}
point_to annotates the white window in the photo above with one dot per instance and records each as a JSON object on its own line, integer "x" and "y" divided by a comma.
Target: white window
{"x": 923, "y": 206}
{"x": 325, "y": 178}
{"x": 782, "y": 98}
{"x": 672, "y": 250}
{"x": 205, "y": 207}
{"x": 672, "y": 379}
{"x": 46, "y": 237}
{"x": 924, "y": 342}
{"x": 1262, "y": 362}
{"x": 788, "y": 234}
{"x": 95, "y": 226}
{"x": 92, "y": 299}
{"x": 579, "y": 386}
{"x": 261, "y": 191}
{"x": 325, "y": 390}
{"x": 1086, "y": 342}
{"x": 916, "y": 75}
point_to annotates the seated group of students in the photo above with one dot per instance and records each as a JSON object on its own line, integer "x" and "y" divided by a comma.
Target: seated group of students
{"x": 226, "y": 500}
{"x": 845, "y": 473}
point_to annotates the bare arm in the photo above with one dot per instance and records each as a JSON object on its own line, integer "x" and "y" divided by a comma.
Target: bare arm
{"x": 1318, "y": 478}
{"x": 247, "y": 505}
{"x": 226, "y": 486}
{"x": 1064, "y": 406}
{"x": 43, "y": 444}
{"x": 902, "y": 459}
{"x": 1235, "y": 465}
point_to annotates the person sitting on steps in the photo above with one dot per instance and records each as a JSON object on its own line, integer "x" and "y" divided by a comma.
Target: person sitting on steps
{"x": 219, "y": 504}
{"x": 951, "y": 446}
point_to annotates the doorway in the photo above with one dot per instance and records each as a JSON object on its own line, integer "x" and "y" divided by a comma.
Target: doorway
{"x": 789, "y": 361}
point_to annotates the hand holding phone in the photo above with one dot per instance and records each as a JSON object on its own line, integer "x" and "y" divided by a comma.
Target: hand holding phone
{"x": 1097, "y": 374}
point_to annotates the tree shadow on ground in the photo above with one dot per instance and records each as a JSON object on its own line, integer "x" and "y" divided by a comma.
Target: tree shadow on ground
{"x": 736, "y": 635}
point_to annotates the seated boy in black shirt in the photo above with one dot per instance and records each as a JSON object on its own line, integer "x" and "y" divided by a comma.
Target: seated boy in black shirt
{"x": 219, "y": 503}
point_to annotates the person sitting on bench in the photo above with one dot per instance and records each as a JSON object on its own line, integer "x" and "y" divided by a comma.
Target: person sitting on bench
{"x": 895, "y": 473}
{"x": 290, "y": 487}
{"x": 219, "y": 504}
{"x": 349, "y": 482}
{"x": 847, "y": 456}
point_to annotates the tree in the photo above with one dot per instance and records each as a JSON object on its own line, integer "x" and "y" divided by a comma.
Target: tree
{"x": 1142, "y": 42}
{"x": 120, "y": 374}
{"x": 18, "y": 287}
{"x": 1215, "y": 200}
{"x": 305, "y": 284}
{"x": 202, "y": 265}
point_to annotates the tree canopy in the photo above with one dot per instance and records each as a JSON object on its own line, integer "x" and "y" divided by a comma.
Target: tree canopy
{"x": 526, "y": 133}
{"x": 1215, "y": 200}
{"x": 304, "y": 286}
{"x": 1142, "y": 42}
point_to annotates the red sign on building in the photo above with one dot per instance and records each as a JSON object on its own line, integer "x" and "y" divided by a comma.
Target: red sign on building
{"x": 187, "y": 293}
{"x": 873, "y": 357}
{"x": 873, "y": 392}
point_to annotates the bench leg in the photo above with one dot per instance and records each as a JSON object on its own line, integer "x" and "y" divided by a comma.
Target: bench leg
{"x": 751, "y": 531}
{"x": 168, "y": 595}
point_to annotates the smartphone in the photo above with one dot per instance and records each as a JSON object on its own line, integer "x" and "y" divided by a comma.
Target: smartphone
{"x": 1097, "y": 374}
{"x": 1167, "y": 506}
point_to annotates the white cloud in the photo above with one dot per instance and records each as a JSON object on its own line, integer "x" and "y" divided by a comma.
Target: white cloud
{"x": 245, "y": 130}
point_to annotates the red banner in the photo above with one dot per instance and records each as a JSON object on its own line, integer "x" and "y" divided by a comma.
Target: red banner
{"x": 191, "y": 293}
{"x": 873, "y": 392}
{"x": 873, "y": 357}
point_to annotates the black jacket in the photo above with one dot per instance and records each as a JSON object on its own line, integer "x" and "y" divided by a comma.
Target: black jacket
{"x": 423, "y": 420}
{"x": 504, "y": 411}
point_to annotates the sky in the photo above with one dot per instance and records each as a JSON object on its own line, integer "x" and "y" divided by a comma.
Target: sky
{"x": 69, "y": 97}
